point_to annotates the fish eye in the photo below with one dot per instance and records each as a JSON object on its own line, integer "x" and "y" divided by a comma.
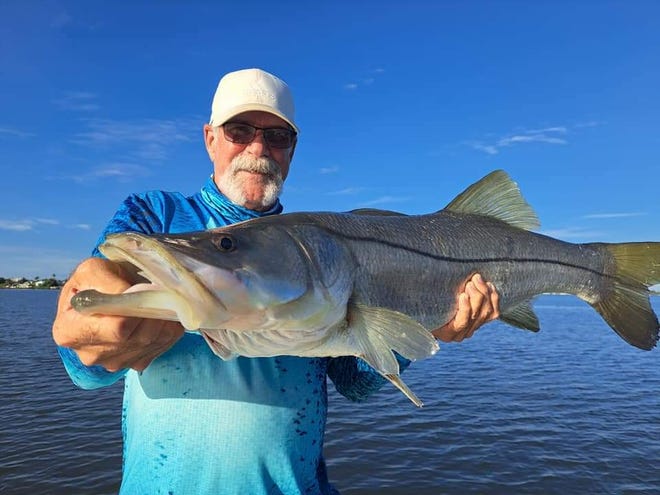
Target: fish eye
{"x": 225, "y": 243}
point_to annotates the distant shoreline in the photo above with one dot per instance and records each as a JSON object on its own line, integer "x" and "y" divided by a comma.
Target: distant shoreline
{"x": 29, "y": 288}
{"x": 36, "y": 283}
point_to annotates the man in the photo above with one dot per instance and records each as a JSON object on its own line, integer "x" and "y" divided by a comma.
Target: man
{"x": 193, "y": 423}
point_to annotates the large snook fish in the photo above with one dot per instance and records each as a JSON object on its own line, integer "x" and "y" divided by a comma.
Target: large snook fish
{"x": 367, "y": 282}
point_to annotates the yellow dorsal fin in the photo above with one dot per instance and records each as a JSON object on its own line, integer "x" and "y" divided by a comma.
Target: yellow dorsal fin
{"x": 496, "y": 195}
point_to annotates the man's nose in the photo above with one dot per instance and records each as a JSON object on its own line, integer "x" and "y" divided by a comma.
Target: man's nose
{"x": 258, "y": 146}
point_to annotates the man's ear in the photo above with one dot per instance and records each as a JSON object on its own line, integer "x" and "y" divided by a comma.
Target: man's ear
{"x": 209, "y": 137}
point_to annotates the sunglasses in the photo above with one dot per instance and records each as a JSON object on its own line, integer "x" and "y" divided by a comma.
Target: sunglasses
{"x": 275, "y": 137}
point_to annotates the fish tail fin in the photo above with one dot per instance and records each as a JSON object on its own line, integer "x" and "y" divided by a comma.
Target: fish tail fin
{"x": 626, "y": 306}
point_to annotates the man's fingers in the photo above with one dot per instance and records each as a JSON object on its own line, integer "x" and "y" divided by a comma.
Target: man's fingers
{"x": 477, "y": 304}
{"x": 453, "y": 329}
{"x": 117, "y": 343}
{"x": 484, "y": 301}
{"x": 114, "y": 342}
{"x": 479, "y": 293}
{"x": 150, "y": 339}
{"x": 147, "y": 343}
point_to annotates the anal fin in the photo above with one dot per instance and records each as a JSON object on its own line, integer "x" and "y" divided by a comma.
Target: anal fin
{"x": 522, "y": 316}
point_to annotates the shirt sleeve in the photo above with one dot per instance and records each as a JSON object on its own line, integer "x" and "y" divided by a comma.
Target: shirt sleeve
{"x": 87, "y": 377}
{"x": 355, "y": 379}
{"x": 135, "y": 214}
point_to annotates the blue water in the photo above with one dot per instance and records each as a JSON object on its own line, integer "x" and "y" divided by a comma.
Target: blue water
{"x": 570, "y": 410}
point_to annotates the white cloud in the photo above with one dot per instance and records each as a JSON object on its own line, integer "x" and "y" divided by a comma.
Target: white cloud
{"x": 366, "y": 80}
{"x": 329, "y": 170}
{"x": 573, "y": 233}
{"x": 547, "y": 135}
{"x": 27, "y": 224}
{"x": 346, "y": 191}
{"x": 533, "y": 138}
{"x": 385, "y": 200}
{"x": 17, "y": 225}
{"x": 613, "y": 215}
{"x": 47, "y": 221}
{"x": 557, "y": 129}
{"x": 488, "y": 148}
{"x": 147, "y": 139}
{"x": 122, "y": 172}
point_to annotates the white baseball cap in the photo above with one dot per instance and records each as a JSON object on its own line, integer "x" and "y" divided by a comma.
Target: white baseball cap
{"x": 252, "y": 89}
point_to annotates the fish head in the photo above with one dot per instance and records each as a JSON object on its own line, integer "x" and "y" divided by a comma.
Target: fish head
{"x": 249, "y": 267}
{"x": 241, "y": 276}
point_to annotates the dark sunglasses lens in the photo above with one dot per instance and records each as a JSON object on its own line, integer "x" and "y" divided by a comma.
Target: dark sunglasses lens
{"x": 279, "y": 138}
{"x": 275, "y": 137}
{"x": 239, "y": 133}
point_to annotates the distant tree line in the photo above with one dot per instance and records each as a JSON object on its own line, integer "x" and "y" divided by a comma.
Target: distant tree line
{"x": 35, "y": 283}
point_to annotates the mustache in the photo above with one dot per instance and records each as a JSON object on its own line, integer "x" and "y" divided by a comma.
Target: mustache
{"x": 256, "y": 165}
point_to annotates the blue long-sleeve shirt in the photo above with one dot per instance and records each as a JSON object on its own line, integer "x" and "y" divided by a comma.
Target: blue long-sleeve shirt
{"x": 193, "y": 423}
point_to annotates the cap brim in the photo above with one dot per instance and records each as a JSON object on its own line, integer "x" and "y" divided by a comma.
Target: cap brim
{"x": 221, "y": 118}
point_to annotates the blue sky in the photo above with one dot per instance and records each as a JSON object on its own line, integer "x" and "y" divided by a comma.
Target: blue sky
{"x": 401, "y": 106}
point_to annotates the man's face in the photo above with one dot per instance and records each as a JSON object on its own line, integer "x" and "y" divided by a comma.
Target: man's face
{"x": 249, "y": 174}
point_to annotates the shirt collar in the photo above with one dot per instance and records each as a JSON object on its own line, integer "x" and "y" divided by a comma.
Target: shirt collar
{"x": 230, "y": 210}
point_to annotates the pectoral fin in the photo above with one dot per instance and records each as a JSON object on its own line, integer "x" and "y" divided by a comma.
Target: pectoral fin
{"x": 522, "y": 316}
{"x": 398, "y": 383}
{"x": 379, "y": 331}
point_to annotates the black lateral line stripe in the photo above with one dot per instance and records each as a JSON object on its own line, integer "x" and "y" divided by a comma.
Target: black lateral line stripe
{"x": 465, "y": 260}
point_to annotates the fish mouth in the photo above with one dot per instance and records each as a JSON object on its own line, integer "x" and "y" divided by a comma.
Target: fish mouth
{"x": 175, "y": 291}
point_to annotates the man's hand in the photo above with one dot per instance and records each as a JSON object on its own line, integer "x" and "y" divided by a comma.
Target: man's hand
{"x": 477, "y": 304}
{"x": 114, "y": 342}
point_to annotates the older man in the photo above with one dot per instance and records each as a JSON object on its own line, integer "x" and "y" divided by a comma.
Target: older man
{"x": 193, "y": 423}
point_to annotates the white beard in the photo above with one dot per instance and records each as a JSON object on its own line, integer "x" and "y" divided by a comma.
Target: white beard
{"x": 232, "y": 183}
